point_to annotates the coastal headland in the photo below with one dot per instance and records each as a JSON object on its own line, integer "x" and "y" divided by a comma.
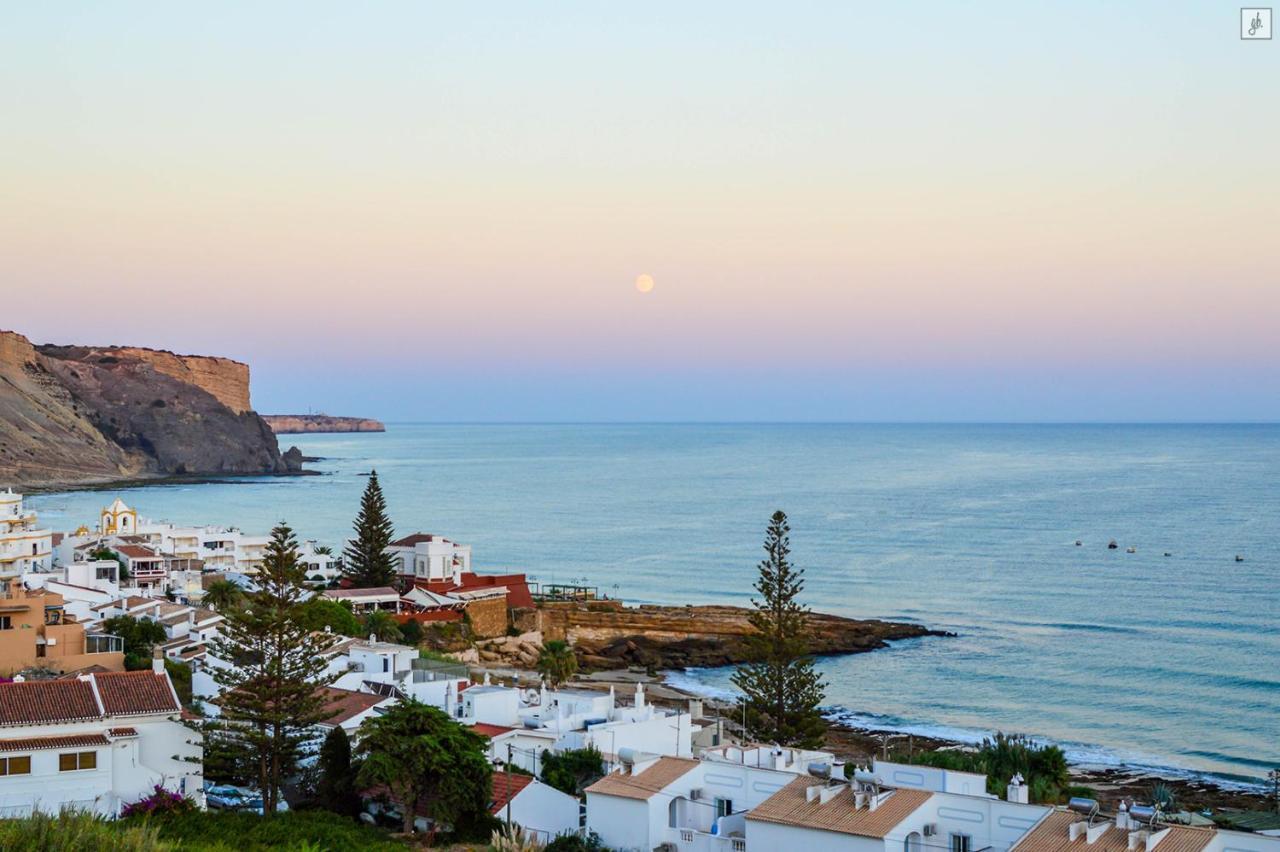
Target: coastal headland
{"x": 296, "y": 424}
{"x": 75, "y": 415}
{"x": 606, "y": 634}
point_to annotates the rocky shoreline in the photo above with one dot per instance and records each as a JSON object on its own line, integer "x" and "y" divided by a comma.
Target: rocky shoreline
{"x": 608, "y": 635}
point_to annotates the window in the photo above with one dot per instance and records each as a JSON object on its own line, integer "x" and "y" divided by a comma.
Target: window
{"x": 5, "y": 623}
{"x": 961, "y": 843}
{"x": 15, "y": 765}
{"x": 73, "y": 760}
{"x": 724, "y": 807}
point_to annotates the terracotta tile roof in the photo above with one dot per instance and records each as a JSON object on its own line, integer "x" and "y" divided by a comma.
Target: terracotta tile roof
{"x": 1052, "y": 835}
{"x": 646, "y": 783}
{"x": 791, "y": 806}
{"x": 506, "y": 786}
{"x": 134, "y": 551}
{"x": 346, "y": 704}
{"x": 136, "y": 693}
{"x": 123, "y": 732}
{"x": 37, "y": 743}
{"x": 42, "y": 701}
{"x": 484, "y": 729}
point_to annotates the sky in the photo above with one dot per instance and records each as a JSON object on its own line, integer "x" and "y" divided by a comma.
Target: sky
{"x": 850, "y": 211}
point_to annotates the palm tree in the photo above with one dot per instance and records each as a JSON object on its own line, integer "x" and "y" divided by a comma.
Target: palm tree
{"x": 379, "y": 623}
{"x": 223, "y": 595}
{"x": 556, "y": 662}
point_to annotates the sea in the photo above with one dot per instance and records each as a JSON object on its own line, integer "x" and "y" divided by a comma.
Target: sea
{"x": 1163, "y": 652}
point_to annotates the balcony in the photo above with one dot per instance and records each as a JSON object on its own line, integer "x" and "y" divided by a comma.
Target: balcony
{"x": 102, "y": 643}
{"x": 692, "y": 840}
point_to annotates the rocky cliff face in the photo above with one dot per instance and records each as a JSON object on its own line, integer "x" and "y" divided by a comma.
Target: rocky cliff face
{"x": 76, "y": 414}
{"x": 287, "y": 424}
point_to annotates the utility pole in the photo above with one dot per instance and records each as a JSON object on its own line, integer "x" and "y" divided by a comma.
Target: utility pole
{"x": 509, "y": 796}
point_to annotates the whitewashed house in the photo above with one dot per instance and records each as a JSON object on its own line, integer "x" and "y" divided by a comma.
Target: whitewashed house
{"x": 94, "y": 742}
{"x": 430, "y": 558}
{"x": 24, "y": 546}
{"x": 540, "y": 809}
{"x": 635, "y": 806}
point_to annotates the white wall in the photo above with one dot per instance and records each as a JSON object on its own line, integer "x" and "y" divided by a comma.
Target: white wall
{"x": 992, "y": 823}
{"x": 623, "y": 824}
{"x": 543, "y": 810}
{"x": 769, "y": 836}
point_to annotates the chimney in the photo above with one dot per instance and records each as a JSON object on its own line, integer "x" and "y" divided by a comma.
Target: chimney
{"x": 1017, "y": 791}
{"x": 695, "y": 708}
{"x": 157, "y": 661}
{"x": 373, "y": 637}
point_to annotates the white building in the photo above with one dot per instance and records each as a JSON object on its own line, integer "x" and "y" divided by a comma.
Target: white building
{"x": 431, "y": 558}
{"x": 23, "y": 545}
{"x": 638, "y": 807}
{"x": 540, "y": 809}
{"x": 95, "y": 742}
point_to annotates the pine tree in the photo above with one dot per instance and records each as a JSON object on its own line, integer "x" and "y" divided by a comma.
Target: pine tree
{"x": 781, "y": 690}
{"x": 271, "y": 687}
{"x": 365, "y": 562}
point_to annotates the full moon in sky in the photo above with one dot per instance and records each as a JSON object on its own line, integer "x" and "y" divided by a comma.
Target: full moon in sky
{"x": 644, "y": 283}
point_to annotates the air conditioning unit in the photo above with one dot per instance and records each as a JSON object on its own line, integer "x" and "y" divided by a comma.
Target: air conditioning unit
{"x": 930, "y": 829}
{"x": 695, "y": 794}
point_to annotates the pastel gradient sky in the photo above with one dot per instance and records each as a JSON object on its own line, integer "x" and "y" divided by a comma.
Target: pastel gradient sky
{"x": 852, "y": 211}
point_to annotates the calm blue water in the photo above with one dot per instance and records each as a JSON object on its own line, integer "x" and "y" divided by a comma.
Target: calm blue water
{"x": 1168, "y": 661}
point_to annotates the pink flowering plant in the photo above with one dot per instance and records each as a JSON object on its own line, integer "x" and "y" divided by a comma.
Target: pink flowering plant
{"x": 161, "y": 801}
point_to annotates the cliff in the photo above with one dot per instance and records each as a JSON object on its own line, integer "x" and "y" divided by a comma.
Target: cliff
{"x": 80, "y": 414}
{"x": 287, "y": 424}
{"x": 606, "y": 634}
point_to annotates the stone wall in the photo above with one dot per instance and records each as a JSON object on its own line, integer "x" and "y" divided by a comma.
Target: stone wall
{"x": 488, "y": 617}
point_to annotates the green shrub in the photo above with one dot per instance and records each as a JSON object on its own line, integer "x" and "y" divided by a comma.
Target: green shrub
{"x": 75, "y": 832}
{"x": 223, "y": 831}
{"x": 573, "y": 770}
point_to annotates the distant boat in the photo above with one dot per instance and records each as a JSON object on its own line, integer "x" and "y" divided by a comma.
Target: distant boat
{"x": 1079, "y": 542}
{"x": 1167, "y": 553}
{"x": 1239, "y": 558}
{"x": 1131, "y": 550}
{"x": 1111, "y": 545}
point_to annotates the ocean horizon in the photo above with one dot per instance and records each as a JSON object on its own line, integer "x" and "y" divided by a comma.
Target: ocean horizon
{"x": 1163, "y": 657}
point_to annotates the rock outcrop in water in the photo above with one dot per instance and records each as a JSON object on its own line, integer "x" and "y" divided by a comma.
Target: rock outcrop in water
{"x": 287, "y": 424}
{"x": 79, "y": 414}
{"x": 606, "y": 634}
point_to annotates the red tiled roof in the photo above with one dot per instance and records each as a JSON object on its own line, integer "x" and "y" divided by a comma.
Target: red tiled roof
{"x": 36, "y": 743}
{"x": 134, "y": 551}
{"x": 506, "y": 786}
{"x": 484, "y": 729}
{"x": 123, "y": 732}
{"x": 43, "y": 701}
{"x": 136, "y": 693}
{"x": 346, "y": 704}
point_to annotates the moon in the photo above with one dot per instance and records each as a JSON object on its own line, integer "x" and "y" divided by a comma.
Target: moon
{"x": 644, "y": 283}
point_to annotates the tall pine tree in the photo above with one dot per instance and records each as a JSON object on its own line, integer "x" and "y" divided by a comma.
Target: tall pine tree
{"x": 365, "y": 562}
{"x": 272, "y": 686}
{"x": 781, "y": 691}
